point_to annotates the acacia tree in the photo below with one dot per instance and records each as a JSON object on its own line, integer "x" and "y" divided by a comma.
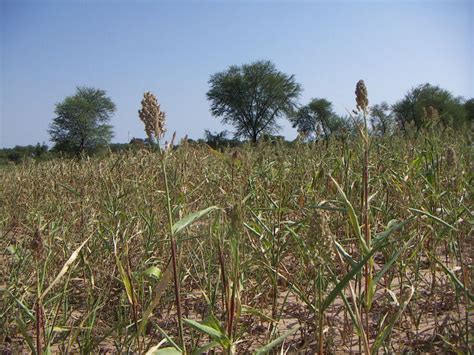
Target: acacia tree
{"x": 381, "y": 119}
{"x": 413, "y": 107}
{"x": 252, "y": 97}
{"x": 318, "y": 119}
{"x": 82, "y": 121}
{"x": 216, "y": 139}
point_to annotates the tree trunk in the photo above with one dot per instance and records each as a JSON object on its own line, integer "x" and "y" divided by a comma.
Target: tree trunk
{"x": 254, "y": 137}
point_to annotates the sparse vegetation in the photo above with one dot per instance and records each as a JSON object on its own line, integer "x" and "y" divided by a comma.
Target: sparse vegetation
{"x": 212, "y": 177}
{"x": 362, "y": 244}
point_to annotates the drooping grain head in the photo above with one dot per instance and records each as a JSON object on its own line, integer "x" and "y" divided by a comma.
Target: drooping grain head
{"x": 37, "y": 245}
{"x": 152, "y": 116}
{"x": 362, "y": 98}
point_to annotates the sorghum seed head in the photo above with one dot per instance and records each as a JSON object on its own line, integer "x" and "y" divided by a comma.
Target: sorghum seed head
{"x": 151, "y": 115}
{"x": 320, "y": 236}
{"x": 362, "y": 98}
{"x": 37, "y": 244}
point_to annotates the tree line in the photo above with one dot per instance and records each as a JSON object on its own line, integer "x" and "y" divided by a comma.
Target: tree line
{"x": 252, "y": 98}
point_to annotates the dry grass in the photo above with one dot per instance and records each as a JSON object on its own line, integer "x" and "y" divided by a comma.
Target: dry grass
{"x": 266, "y": 260}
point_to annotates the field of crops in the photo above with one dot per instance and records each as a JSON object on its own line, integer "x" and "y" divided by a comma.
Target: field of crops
{"x": 309, "y": 247}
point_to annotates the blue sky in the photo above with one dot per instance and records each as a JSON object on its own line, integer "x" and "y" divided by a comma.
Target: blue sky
{"x": 48, "y": 48}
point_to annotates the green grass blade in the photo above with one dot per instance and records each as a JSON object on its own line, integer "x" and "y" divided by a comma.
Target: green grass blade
{"x": 23, "y": 330}
{"x": 215, "y": 335}
{"x": 159, "y": 289}
{"x": 152, "y": 272}
{"x": 453, "y": 278}
{"x": 126, "y": 282}
{"x": 163, "y": 351}
{"x": 203, "y": 349}
{"x": 391, "y": 323}
{"x": 349, "y": 276}
{"x": 190, "y": 219}
{"x": 266, "y": 348}
{"x": 253, "y": 311}
{"x": 393, "y": 227}
{"x": 437, "y": 219}
{"x": 345, "y": 254}
{"x": 354, "y": 221}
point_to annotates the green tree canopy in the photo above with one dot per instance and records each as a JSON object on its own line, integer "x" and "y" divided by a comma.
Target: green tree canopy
{"x": 252, "y": 97}
{"x": 82, "y": 121}
{"x": 469, "y": 108}
{"x": 317, "y": 119}
{"x": 415, "y": 107}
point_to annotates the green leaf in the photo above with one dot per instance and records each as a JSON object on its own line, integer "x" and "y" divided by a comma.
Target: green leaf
{"x": 188, "y": 220}
{"x": 153, "y": 272}
{"x": 379, "y": 243}
{"x": 253, "y": 230}
{"x": 436, "y": 219}
{"x": 163, "y": 351}
{"x": 261, "y": 222}
{"x": 205, "y": 348}
{"x": 168, "y": 338}
{"x": 378, "y": 276}
{"x": 392, "y": 227}
{"x": 126, "y": 282}
{"x": 14, "y": 252}
{"x": 69, "y": 188}
{"x": 453, "y": 278}
{"x": 215, "y": 335}
{"x": 352, "y": 217}
{"x": 349, "y": 276}
{"x": 22, "y": 305}
{"x": 59, "y": 329}
{"x": 352, "y": 315}
{"x": 345, "y": 254}
{"x": 213, "y": 322}
{"x": 266, "y": 348}
{"x": 158, "y": 291}
{"x": 416, "y": 162}
{"x": 386, "y": 267}
{"x": 22, "y": 327}
{"x": 388, "y": 328}
{"x": 258, "y": 313}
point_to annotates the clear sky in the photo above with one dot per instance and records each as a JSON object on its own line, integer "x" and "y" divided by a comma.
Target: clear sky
{"x": 171, "y": 48}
